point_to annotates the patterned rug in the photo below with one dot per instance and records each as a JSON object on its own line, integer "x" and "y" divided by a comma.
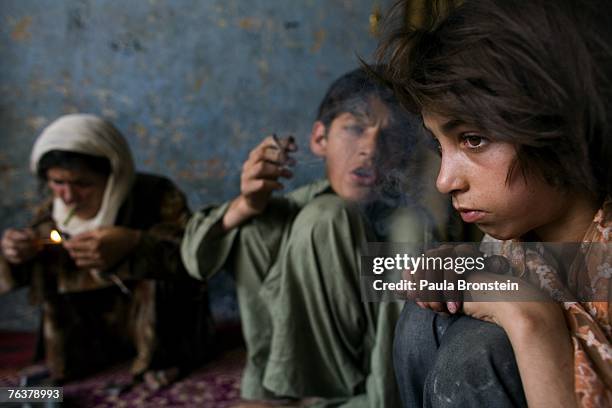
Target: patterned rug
{"x": 216, "y": 384}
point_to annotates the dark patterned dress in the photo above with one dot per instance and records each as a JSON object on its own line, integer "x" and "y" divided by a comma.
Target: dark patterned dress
{"x": 163, "y": 318}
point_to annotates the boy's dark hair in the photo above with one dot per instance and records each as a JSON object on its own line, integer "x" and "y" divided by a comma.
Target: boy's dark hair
{"x": 72, "y": 161}
{"x": 534, "y": 73}
{"x": 352, "y": 93}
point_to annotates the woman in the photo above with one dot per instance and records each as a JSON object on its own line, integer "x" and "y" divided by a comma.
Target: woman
{"x": 116, "y": 284}
{"x": 516, "y": 95}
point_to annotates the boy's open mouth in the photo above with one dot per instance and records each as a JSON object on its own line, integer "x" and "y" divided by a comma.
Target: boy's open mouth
{"x": 364, "y": 175}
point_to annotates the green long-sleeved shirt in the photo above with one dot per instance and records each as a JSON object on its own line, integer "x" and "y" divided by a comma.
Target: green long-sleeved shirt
{"x": 297, "y": 270}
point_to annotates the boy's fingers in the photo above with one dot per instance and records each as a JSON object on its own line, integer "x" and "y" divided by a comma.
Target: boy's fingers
{"x": 268, "y": 154}
{"x": 267, "y": 144}
{"x": 275, "y": 150}
{"x": 261, "y": 185}
{"x": 288, "y": 144}
{"x": 265, "y": 170}
{"x": 274, "y": 155}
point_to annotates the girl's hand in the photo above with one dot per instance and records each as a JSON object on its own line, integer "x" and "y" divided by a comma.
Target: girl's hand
{"x": 503, "y": 309}
{"x": 448, "y": 302}
{"x": 542, "y": 345}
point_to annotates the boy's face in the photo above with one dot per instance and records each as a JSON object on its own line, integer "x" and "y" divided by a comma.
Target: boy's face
{"x": 350, "y": 147}
{"x": 473, "y": 171}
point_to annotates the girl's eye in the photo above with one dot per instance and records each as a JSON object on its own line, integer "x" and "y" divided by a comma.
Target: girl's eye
{"x": 473, "y": 141}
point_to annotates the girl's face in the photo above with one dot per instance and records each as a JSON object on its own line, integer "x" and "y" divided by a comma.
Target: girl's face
{"x": 474, "y": 172}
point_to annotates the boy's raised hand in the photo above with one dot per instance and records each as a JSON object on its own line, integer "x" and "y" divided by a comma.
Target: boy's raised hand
{"x": 260, "y": 173}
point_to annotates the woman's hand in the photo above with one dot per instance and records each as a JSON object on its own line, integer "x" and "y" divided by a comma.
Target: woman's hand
{"x": 19, "y": 245}
{"x": 102, "y": 248}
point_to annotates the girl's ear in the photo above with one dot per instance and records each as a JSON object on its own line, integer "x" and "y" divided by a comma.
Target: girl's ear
{"x": 318, "y": 139}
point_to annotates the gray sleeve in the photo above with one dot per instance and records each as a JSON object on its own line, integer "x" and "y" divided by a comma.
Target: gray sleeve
{"x": 204, "y": 254}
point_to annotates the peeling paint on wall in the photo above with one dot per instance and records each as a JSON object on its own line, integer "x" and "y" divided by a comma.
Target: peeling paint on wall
{"x": 249, "y": 23}
{"x": 193, "y": 85}
{"x": 319, "y": 38}
{"x": 21, "y": 29}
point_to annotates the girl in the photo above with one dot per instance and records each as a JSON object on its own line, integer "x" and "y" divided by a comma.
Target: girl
{"x": 516, "y": 94}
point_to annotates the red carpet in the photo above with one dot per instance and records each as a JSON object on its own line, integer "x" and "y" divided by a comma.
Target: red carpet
{"x": 216, "y": 384}
{"x": 16, "y": 352}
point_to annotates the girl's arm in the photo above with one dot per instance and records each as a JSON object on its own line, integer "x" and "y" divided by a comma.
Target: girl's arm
{"x": 541, "y": 343}
{"x": 544, "y": 354}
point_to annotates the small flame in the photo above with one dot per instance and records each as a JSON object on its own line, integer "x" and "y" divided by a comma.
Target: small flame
{"x": 55, "y": 236}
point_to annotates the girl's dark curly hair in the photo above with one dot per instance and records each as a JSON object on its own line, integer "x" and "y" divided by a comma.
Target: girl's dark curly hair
{"x": 534, "y": 73}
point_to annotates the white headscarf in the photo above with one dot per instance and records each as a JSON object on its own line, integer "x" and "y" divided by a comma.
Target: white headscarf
{"x": 88, "y": 134}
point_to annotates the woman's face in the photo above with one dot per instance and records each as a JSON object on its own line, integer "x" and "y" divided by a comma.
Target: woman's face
{"x": 82, "y": 189}
{"x": 474, "y": 172}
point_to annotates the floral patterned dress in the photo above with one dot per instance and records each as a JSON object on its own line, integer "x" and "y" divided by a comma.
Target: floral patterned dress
{"x": 588, "y": 279}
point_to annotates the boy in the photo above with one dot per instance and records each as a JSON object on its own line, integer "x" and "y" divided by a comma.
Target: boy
{"x": 296, "y": 258}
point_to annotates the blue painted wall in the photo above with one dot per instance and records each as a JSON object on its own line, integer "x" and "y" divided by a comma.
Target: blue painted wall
{"x": 193, "y": 85}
